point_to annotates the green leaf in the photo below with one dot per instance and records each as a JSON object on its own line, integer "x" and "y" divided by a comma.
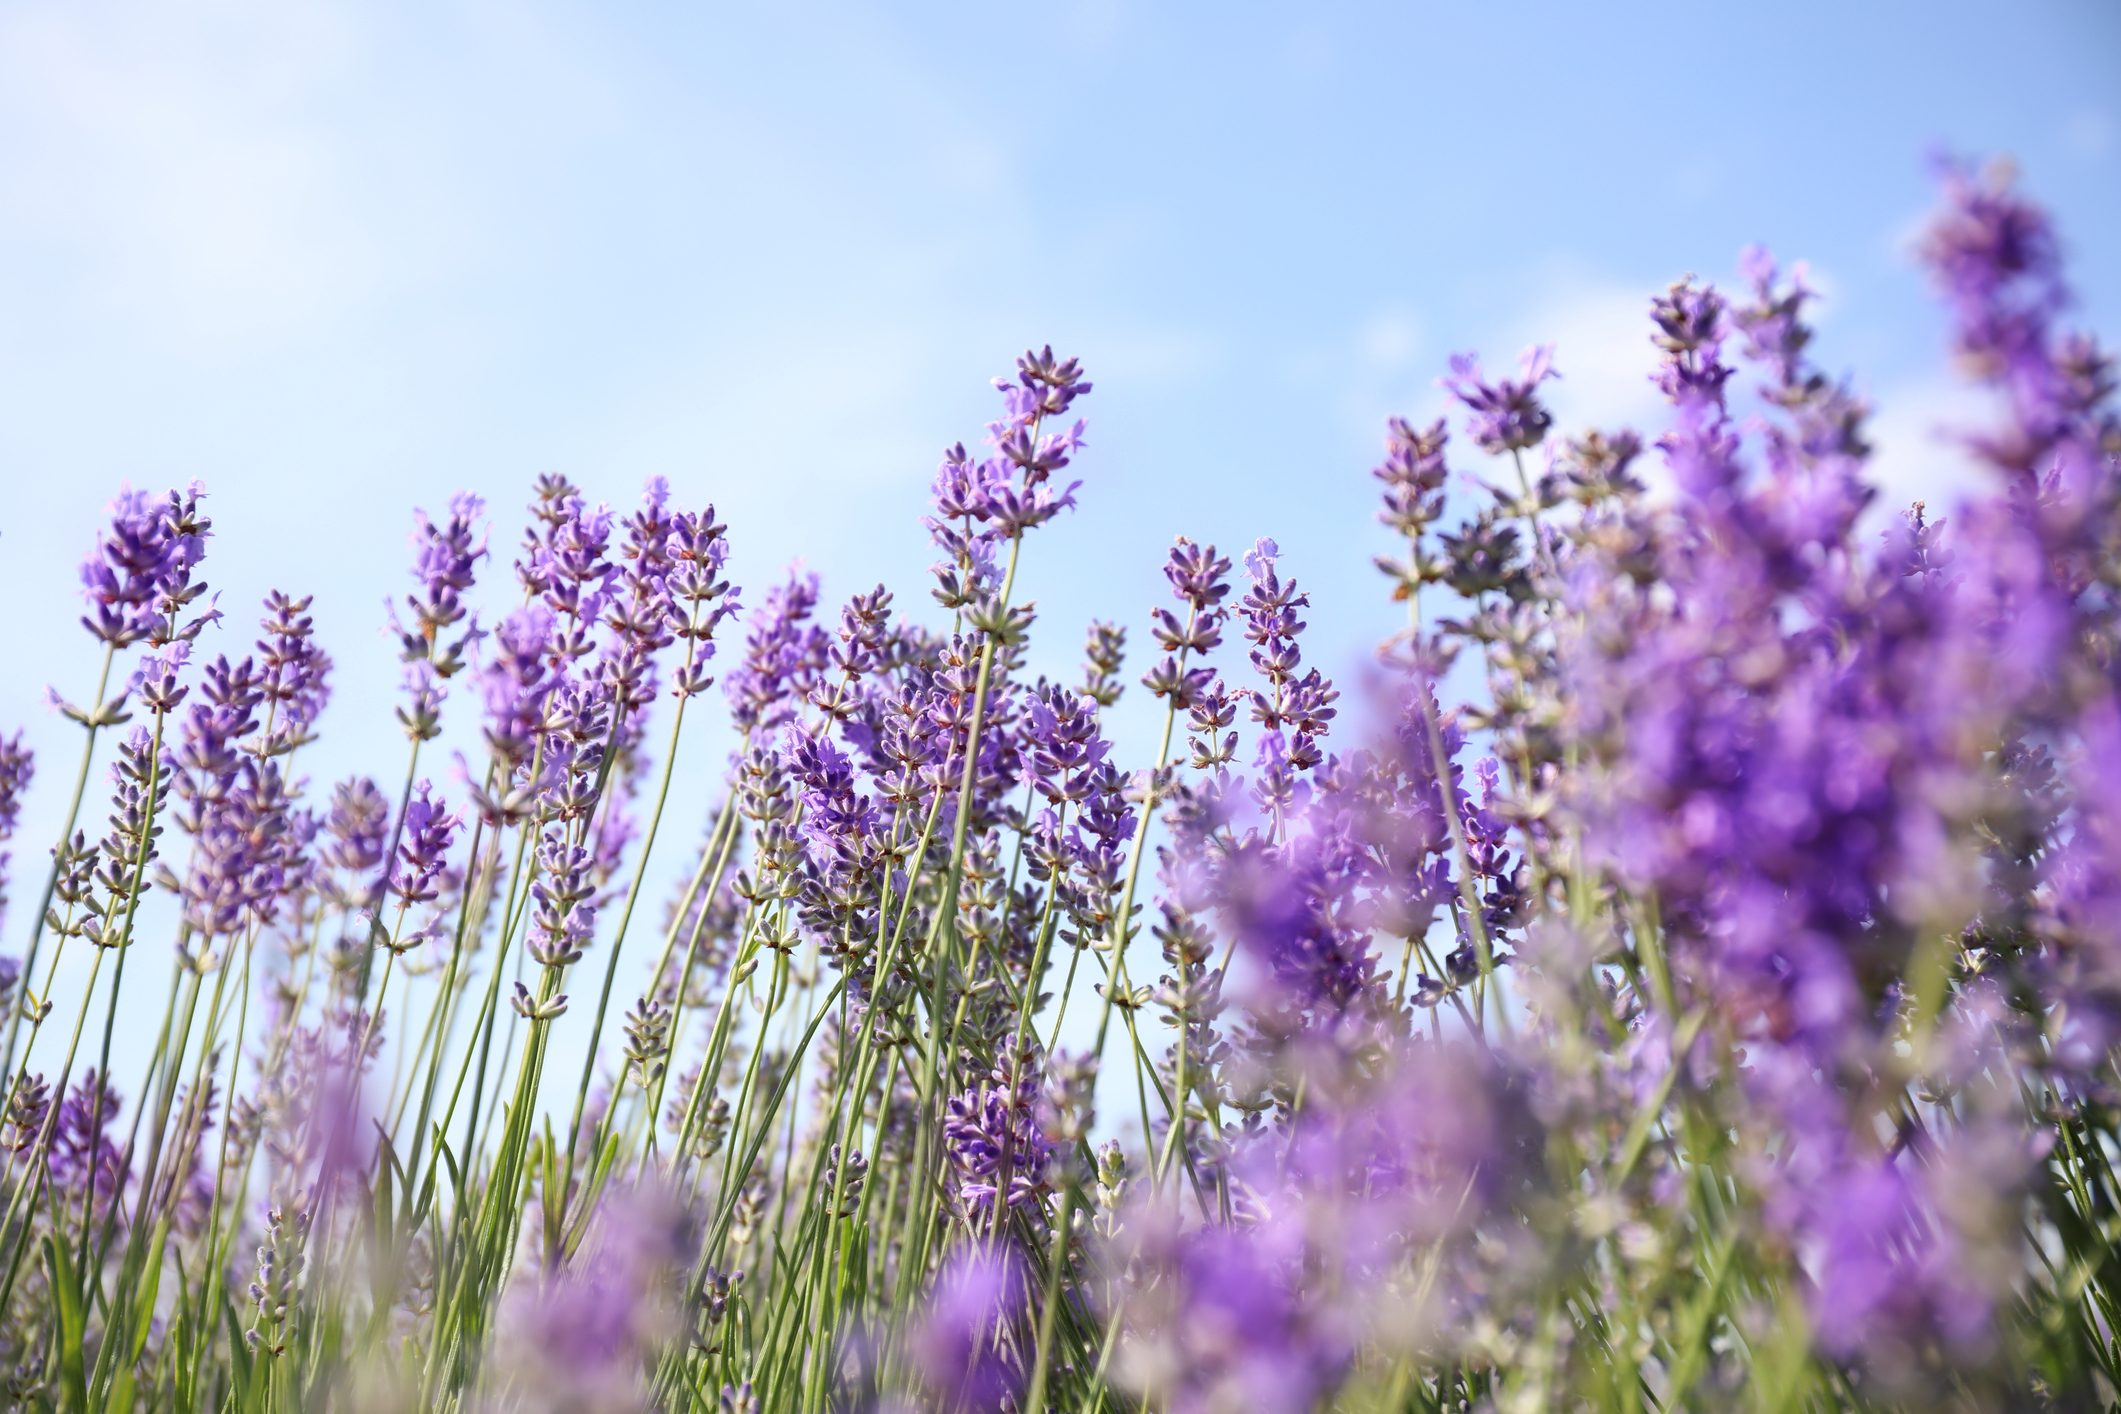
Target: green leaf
{"x": 456, "y": 1176}
{"x": 144, "y": 1299}
{"x": 238, "y": 1347}
{"x": 385, "y": 1190}
{"x": 1646, "y": 1116}
{"x": 425, "y": 1202}
{"x": 552, "y": 1190}
{"x": 73, "y": 1326}
{"x": 599, "y": 1175}
{"x": 184, "y": 1339}
{"x": 854, "y": 1263}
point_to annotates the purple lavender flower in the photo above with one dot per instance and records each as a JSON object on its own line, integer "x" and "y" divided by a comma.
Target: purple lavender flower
{"x": 358, "y": 833}
{"x": 585, "y": 1337}
{"x": 84, "y": 1150}
{"x": 140, "y": 781}
{"x": 1997, "y": 263}
{"x": 157, "y": 678}
{"x": 561, "y": 916}
{"x": 1749, "y": 1012}
{"x": 993, "y": 1138}
{"x": 1227, "y": 1324}
{"x": 1506, "y": 415}
{"x": 700, "y": 598}
{"x": 1293, "y": 712}
{"x": 516, "y": 681}
{"x": 295, "y": 671}
{"x": 979, "y": 502}
{"x": 1104, "y": 651}
{"x": 18, "y": 767}
{"x": 27, "y": 1109}
{"x": 981, "y": 1291}
{"x": 639, "y": 613}
{"x": 139, "y": 579}
{"x": 423, "y": 846}
{"x": 445, "y": 561}
{"x": 1062, "y": 743}
{"x": 784, "y": 650}
{"x": 246, "y": 848}
{"x": 864, "y": 634}
{"x": 211, "y": 737}
{"x": 566, "y": 563}
{"x": 1198, "y": 579}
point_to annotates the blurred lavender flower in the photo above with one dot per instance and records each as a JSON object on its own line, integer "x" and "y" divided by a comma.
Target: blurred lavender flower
{"x": 962, "y": 1345}
{"x": 83, "y": 1148}
{"x": 18, "y": 767}
{"x": 582, "y": 1338}
{"x": 358, "y": 832}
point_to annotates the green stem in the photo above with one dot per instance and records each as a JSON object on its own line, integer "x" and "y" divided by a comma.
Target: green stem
{"x": 66, "y": 834}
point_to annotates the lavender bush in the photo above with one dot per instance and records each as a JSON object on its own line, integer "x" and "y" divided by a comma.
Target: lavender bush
{"x": 1686, "y": 974}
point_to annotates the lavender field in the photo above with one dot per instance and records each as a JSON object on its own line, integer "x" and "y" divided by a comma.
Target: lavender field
{"x": 1683, "y": 971}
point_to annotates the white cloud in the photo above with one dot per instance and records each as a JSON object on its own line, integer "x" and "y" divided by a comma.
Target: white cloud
{"x": 2090, "y": 132}
{"x": 1916, "y": 451}
{"x": 1597, "y": 325}
{"x": 1148, "y": 356}
{"x": 183, "y": 167}
{"x": 1390, "y": 339}
{"x": 1600, "y": 331}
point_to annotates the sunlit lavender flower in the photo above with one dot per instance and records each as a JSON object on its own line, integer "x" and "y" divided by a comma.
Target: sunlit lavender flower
{"x": 561, "y": 917}
{"x": 445, "y": 560}
{"x": 139, "y": 579}
{"x": 17, "y": 769}
{"x": 245, "y": 848}
{"x": 425, "y": 836}
{"x": 1198, "y": 578}
{"x": 700, "y": 597}
{"x": 282, "y": 1258}
{"x": 647, "y": 1040}
{"x": 295, "y": 671}
{"x": 516, "y": 681}
{"x": 783, "y": 651}
{"x": 140, "y": 781}
{"x": 994, "y": 1138}
{"x": 1104, "y": 652}
{"x": 1716, "y": 991}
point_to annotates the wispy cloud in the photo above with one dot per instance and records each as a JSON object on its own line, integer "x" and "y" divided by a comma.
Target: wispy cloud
{"x": 1599, "y": 328}
{"x": 2090, "y": 132}
{"x": 1918, "y": 449}
{"x": 184, "y": 176}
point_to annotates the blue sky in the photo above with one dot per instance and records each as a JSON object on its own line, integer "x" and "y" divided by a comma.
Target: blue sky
{"x": 341, "y": 259}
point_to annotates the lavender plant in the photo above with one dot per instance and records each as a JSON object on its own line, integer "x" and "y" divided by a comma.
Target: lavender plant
{"x": 1684, "y": 973}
